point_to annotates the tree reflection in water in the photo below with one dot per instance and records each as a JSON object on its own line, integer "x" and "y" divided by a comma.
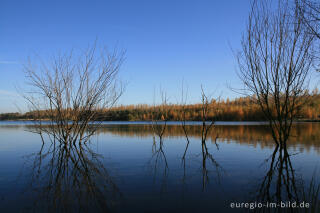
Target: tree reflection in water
{"x": 70, "y": 177}
{"x": 159, "y": 163}
{"x": 207, "y": 156}
{"x": 282, "y": 175}
{"x": 160, "y": 166}
{"x": 282, "y": 184}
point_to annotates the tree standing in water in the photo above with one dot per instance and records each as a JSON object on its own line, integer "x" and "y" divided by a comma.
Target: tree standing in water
{"x": 71, "y": 89}
{"x": 274, "y": 63}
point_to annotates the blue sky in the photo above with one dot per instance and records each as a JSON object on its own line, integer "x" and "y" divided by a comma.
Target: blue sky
{"x": 166, "y": 41}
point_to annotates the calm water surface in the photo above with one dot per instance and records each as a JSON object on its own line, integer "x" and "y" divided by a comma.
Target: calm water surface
{"x": 126, "y": 168}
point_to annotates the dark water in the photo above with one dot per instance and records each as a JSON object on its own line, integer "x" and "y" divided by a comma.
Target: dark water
{"x": 126, "y": 168}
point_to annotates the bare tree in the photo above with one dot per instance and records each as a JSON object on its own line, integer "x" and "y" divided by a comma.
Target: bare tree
{"x": 207, "y": 124}
{"x": 159, "y": 126}
{"x": 274, "y": 63}
{"x": 160, "y": 115}
{"x": 310, "y": 14}
{"x": 182, "y": 115}
{"x": 71, "y": 89}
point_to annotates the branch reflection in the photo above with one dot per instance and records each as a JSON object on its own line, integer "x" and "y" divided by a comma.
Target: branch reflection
{"x": 70, "y": 177}
{"x": 159, "y": 163}
{"x": 282, "y": 175}
{"x": 283, "y": 185}
{"x": 205, "y": 154}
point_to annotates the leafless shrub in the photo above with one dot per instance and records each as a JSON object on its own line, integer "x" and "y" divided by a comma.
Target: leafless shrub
{"x": 207, "y": 125}
{"x": 182, "y": 115}
{"x": 160, "y": 115}
{"x": 71, "y": 89}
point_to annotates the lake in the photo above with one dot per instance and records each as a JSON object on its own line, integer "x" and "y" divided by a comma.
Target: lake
{"x": 125, "y": 167}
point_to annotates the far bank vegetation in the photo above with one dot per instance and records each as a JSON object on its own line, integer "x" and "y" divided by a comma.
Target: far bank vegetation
{"x": 239, "y": 109}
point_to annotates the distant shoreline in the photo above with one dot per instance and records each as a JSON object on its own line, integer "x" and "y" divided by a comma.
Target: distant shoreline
{"x": 296, "y": 121}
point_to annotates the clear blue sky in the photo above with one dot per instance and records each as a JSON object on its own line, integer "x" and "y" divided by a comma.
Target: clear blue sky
{"x": 166, "y": 41}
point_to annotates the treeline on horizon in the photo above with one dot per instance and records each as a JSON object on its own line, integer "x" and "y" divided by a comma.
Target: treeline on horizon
{"x": 239, "y": 109}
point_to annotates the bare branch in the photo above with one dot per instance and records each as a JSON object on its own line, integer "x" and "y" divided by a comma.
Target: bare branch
{"x": 70, "y": 90}
{"x": 274, "y": 63}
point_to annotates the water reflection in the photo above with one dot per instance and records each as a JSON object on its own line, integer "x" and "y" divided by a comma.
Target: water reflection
{"x": 205, "y": 153}
{"x": 282, "y": 175}
{"x": 159, "y": 160}
{"x": 284, "y": 187}
{"x": 304, "y": 135}
{"x": 159, "y": 163}
{"x": 193, "y": 175}
{"x": 71, "y": 177}
{"x": 208, "y": 157}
